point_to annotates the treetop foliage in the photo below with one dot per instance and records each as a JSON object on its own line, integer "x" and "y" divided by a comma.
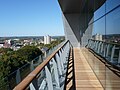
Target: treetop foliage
{"x": 11, "y": 60}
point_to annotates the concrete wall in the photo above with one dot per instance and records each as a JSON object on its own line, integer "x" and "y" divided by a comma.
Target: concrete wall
{"x": 72, "y": 28}
{"x": 76, "y": 28}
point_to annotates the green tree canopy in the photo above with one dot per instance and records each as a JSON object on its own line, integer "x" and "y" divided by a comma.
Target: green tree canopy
{"x": 11, "y": 61}
{"x": 5, "y": 50}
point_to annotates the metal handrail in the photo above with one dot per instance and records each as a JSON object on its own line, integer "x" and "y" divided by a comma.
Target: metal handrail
{"x": 25, "y": 83}
{"x": 110, "y": 54}
{"x": 105, "y": 42}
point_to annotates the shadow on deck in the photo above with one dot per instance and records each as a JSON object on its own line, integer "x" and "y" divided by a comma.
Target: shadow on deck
{"x": 70, "y": 74}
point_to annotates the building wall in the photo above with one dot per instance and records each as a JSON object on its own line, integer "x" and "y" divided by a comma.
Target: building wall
{"x": 106, "y": 23}
{"x": 71, "y": 27}
{"x": 76, "y": 28}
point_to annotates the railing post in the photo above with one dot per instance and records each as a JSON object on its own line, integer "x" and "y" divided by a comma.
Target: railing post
{"x": 31, "y": 66}
{"x": 63, "y": 56}
{"x": 119, "y": 58}
{"x": 41, "y": 80}
{"x": 112, "y": 54}
{"x": 66, "y": 53}
{"x": 43, "y": 85}
{"x": 102, "y": 48}
{"x": 60, "y": 67}
{"x": 48, "y": 79}
{"x": 92, "y": 45}
{"x": 99, "y": 47}
{"x": 56, "y": 74}
{"x": 96, "y": 46}
{"x": 104, "y": 54}
{"x": 108, "y": 46}
{"x": 18, "y": 78}
{"x": 34, "y": 85}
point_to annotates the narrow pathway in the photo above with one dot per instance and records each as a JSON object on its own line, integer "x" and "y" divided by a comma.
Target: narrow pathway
{"x": 85, "y": 78}
{"x": 70, "y": 75}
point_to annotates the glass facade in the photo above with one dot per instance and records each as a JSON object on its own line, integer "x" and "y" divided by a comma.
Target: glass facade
{"x": 106, "y": 35}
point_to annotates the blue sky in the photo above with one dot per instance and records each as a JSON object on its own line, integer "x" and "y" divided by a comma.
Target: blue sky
{"x": 30, "y": 18}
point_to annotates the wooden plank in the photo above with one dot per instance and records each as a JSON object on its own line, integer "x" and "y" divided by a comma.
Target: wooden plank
{"x": 84, "y": 75}
{"x": 108, "y": 79}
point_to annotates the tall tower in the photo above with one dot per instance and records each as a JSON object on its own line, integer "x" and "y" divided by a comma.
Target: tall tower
{"x": 47, "y": 39}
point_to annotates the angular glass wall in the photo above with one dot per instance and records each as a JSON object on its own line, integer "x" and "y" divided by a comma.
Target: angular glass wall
{"x": 98, "y": 35}
{"x": 113, "y": 40}
{"x": 99, "y": 12}
{"x": 106, "y": 39}
{"x": 104, "y": 45}
{"x": 97, "y": 26}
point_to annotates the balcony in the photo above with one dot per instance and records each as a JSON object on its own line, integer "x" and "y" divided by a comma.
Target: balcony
{"x": 71, "y": 68}
{"x": 80, "y": 62}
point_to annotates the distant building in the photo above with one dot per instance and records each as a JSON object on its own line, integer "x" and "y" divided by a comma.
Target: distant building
{"x": 16, "y": 39}
{"x": 8, "y": 43}
{"x": 16, "y": 47}
{"x": 41, "y": 41}
{"x": 98, "y": 37}
{"x": 44, "y": 49}
{"x": 47, "y": 39}
{"x": 53, "y": 39}
{"x": 1, "y": 44}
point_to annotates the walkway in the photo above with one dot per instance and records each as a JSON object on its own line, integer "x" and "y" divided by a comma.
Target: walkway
{"x": 85, "y": 78}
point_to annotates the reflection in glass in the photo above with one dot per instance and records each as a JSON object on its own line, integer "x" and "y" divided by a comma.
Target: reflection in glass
{"x": 113, "y": 37}
{"x": 99, "y": 30}
{"x": 113, "y": 26}
{"x": 110, "y": 4}
{"x": 100, "y": 12}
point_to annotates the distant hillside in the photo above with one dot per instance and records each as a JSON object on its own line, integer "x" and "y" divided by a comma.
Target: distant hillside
{"x": 115, "y": 38}
{"x": 111, "y": 36}
{"x": 29, "y": 37}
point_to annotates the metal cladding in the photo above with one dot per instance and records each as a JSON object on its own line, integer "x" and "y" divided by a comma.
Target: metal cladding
{"x": 77, "y": 14}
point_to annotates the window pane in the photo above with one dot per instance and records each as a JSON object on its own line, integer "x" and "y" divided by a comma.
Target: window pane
{"x": 100, "y": 12}
{"x": 113, "y": 36}
{"x": 110, "y": 4}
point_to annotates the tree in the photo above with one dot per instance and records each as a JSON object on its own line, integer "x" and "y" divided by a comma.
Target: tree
{"x": 5, "y": 50}
{"x": 29, "y": 52}
{"x": 9, "y": 62}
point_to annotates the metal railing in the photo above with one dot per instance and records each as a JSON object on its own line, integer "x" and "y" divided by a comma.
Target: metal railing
{"x": 18, "y": 75}
{"x": 110, "y": 51}
{"x": 50, "y": 74}
{"x": 14, "y": 78}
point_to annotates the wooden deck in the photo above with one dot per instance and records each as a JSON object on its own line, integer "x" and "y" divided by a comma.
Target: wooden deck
{"x": 85, "y": 78}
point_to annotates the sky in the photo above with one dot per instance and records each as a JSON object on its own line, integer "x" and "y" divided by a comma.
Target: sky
{"x": 30, "y": 18}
